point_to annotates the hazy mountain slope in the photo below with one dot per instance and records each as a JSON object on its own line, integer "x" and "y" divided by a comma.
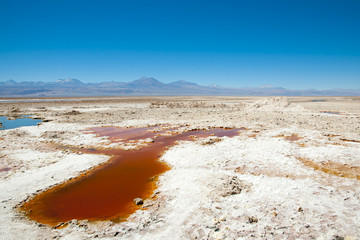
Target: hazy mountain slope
{"x": 149, "y": 87}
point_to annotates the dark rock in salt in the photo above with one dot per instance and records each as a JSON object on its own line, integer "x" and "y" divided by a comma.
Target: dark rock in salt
{"x": 138, "y": 201}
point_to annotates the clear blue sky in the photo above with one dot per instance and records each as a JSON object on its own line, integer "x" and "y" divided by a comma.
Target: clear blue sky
{"x": 296, "y": 44}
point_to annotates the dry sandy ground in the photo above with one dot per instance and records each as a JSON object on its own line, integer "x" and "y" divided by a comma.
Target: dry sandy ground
{"x": 258, "y": 185}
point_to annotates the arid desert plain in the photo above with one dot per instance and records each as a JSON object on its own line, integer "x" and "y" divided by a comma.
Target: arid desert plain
{"x": 289, "y": 170}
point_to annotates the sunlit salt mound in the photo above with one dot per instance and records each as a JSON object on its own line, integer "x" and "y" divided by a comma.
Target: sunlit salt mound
{"x": 274, "y": 103}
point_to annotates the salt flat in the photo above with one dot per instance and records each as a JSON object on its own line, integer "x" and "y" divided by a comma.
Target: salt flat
{"x": 258, "y": 185}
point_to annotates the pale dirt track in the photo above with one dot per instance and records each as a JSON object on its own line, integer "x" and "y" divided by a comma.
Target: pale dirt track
{"x": 258, "y": 185}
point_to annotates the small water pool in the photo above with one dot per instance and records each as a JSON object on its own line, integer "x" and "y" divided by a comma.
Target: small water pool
{"x": 21, "y": 121}
{"x": 331, "y": 112}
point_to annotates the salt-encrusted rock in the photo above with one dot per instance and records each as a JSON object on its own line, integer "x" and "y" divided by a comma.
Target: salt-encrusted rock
{"x": 15, "y": 110}
{"x": 272, "y": 103}
{"x": 138, "y": 201}
{"x": 35, "y": 117}
{"x": 210, "y": 140}
{"x": 233, "y": 185}
{"x": 73, "y": 112}
{"x": 253, "y": 220}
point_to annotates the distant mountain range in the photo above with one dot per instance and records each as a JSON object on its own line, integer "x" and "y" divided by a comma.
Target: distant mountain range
{"x": 149, "y": 87}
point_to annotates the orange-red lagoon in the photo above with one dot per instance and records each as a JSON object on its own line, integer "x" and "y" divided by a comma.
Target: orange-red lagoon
{"x": 107, "y": 192}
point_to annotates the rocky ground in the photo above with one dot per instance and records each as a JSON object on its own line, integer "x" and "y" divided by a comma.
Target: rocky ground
{"x": 293, "y": 172}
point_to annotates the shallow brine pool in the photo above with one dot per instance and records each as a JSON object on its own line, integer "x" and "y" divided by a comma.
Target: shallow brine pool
{"x": 108, "y": 191}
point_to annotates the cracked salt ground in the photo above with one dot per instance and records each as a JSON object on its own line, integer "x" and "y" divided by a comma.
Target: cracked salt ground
{"x": 196, "y": 199}
{"x": 280, "y": 196}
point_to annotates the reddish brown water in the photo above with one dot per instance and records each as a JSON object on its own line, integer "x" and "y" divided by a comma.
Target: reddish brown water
{"x": 293, "y": 137}
{"x": 123, "y": 134}
{"x": 333, "y": 168}
{"x": 107, "y": 192}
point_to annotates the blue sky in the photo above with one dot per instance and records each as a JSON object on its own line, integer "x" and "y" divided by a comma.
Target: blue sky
{"x": 297, "y": 44}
